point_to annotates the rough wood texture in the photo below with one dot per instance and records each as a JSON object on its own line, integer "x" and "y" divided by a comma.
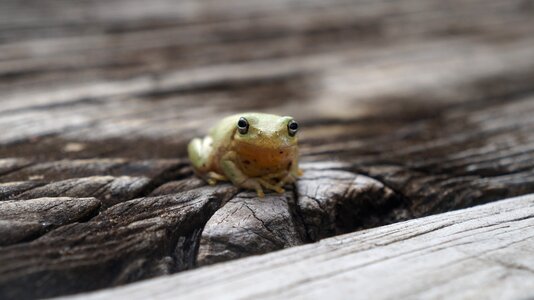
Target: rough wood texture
{"x": 408, "y": 109}
{"x": 246, "y": 226}
{"x": 21, "y": 220}
{"x": 132, "y": 240}
{"x": 335, "y": 202}
{"x": 483, "y": 252}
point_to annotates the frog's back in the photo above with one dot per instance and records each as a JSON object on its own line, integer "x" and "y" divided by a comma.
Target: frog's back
{"x": 223, "y": 131}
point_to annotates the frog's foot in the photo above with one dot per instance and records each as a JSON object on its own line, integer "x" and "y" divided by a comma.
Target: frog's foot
{"x": 258, "y": 184}
{"x": 289, "y": 178}
{"x": 213, "y": 177}
{"x": 253, "y": 184}
{"x": 265, "y": 183}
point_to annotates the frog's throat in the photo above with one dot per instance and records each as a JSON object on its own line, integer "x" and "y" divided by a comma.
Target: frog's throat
{"x": 265, "y": 158}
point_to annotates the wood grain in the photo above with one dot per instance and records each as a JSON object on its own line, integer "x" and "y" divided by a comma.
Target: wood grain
{"x": 246, "y": 226}
{"x": 23, "y": 220}
{"x": 407, "y": 109}
{"x": 132, "y": 240}
{"x": 480, "y": 252}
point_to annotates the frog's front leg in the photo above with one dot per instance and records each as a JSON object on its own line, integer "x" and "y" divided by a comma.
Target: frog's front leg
{"x": 292, "y": 175}
{"x": 238, "y": 178}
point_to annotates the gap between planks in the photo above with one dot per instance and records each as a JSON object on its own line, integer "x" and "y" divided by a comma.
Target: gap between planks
{"x": 483, "y": 252}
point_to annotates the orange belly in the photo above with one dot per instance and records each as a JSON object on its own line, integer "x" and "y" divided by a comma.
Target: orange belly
{"x": 256, "y": 161}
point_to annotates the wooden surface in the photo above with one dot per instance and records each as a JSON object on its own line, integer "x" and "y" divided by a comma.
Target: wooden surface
{"x": 484, "y": 252}
{"x": 407, "y": 109}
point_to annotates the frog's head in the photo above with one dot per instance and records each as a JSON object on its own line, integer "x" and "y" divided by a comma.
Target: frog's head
{"x": 265, "y": 131}
{"x": 265, "y": 144}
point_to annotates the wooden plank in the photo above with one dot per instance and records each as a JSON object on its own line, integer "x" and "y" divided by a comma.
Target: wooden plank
{"x": 135, "y": 239}
{"x": 407, "y": 109}
{"x": 484, "y": 252}
{"x": 24, "y": 220}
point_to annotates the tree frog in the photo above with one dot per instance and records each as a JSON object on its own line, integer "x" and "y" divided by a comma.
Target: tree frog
{"x": 252, "y": 150}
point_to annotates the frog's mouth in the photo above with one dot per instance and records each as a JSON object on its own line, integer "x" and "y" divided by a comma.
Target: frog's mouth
{"x": 263, "y": 147}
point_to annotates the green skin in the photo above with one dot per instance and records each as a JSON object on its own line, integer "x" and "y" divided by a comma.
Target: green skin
{"x": 264, "y": 157}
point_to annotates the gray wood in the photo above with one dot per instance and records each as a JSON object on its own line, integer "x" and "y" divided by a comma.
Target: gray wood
{"x": 129, "y": 241}
{"x": 246, "y": 226}
{"x": 484, "y": 252}
{"x": 22, "y": 220}
{"x": 334, "y": 202}
{"x": 407, "y": 109}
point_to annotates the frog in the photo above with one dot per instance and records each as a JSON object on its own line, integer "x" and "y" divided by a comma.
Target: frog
{"x": 253, "y": 151}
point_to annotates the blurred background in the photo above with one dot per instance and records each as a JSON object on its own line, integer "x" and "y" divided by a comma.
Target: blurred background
{"x": 166, "y": 70}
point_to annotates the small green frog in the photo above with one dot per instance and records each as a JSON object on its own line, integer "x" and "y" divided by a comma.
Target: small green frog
{"x": 252, "y": 150}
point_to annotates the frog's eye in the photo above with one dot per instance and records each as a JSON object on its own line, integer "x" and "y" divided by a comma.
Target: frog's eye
{"x": 242, "y": 125}
{"x": 292, "y": 127}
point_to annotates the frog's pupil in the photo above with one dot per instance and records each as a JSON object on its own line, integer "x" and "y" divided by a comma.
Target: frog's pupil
{"x": 242, "y": 125}
{"x": 292, "y": 127}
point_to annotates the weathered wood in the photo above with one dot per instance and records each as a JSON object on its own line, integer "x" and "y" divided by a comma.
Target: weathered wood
{"x": 177, "y": 186}
{"x": 104, "y": 187}
{"x": 23, "y": 220}
{"x": 123, "y": 180}
{"x": 481, "y": 252}
{"x": 326, "y": 202}
{"x": 335, "y": 202}
{"x": 407, "y": 108}
{"x": 246, "y": 226}
{"x": 132, "y": 240}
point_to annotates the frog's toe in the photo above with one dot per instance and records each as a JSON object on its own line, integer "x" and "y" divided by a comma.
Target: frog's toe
{"x": 288, "y": 179}
{"x": 278, "y": 189}
{"x": 270, "y": 186}
{"x": 253, "y": 184}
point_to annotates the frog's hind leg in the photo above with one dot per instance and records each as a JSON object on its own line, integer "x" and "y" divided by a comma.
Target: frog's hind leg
{"x": 213, "y": 177}
{"x": 199, "y": 151}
